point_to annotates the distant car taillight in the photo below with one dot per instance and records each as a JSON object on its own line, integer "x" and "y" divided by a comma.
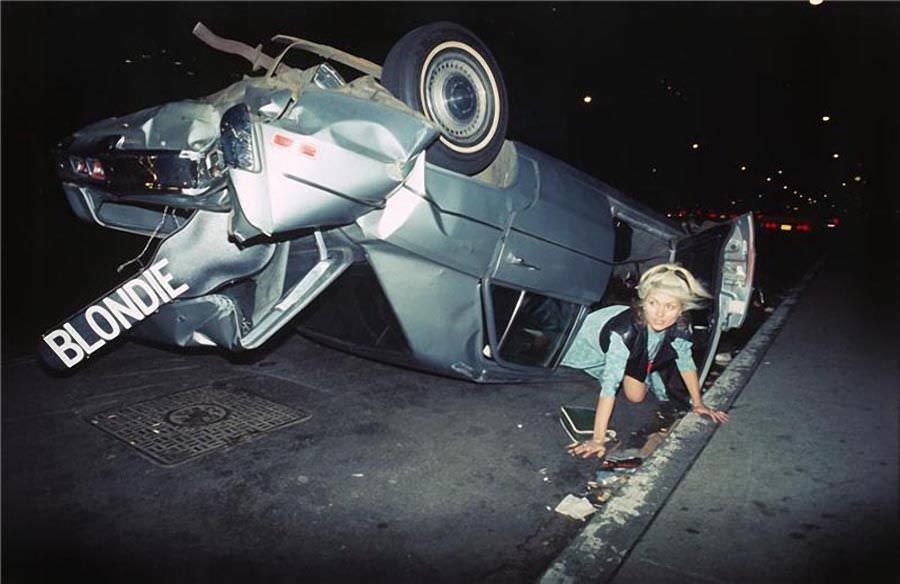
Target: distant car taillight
{"x": 79, "y": 166}
{"x": 238, "y": 142}
{"x": 95, "y": 168}
{"x": 87, "y": 167}
{"x": 803, "y": 227}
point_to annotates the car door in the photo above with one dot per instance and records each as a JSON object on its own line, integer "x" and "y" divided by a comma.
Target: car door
{"x": 722, "y": 257}
{"x": 553, "y": 262}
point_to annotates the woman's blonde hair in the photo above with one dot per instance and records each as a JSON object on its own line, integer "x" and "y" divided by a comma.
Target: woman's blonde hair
{"x": 675, "y": 281}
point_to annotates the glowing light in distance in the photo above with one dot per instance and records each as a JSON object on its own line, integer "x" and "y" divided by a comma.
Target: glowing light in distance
{"x": 695, "y": 145}
{"x": 835, "y": 155}
{"x": 588, "y": 99}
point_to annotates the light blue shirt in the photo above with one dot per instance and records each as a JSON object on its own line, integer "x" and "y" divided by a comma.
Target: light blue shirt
{"x": 609, "y": 368}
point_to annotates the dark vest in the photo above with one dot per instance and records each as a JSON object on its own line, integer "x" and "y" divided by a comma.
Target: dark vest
{"x": 638, "y": 366}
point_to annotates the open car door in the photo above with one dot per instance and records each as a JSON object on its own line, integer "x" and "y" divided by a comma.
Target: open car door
{"x": 730, "y": 281}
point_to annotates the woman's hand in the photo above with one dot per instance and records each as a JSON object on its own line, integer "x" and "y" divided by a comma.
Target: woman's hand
{"x": 587, "y": 449}
{"x": 717, "y": 416}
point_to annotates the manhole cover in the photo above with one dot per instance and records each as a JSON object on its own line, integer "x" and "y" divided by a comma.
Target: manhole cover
{"x": 181, "y": 426}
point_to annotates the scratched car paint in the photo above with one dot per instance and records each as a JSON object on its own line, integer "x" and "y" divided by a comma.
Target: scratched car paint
{"x": 409, "y": 229}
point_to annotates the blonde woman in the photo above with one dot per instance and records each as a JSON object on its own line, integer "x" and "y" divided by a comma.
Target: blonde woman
{"x": 647, "y": 345}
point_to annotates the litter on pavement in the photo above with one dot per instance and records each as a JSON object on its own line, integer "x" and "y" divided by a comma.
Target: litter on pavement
{"x": 575, "y": 507}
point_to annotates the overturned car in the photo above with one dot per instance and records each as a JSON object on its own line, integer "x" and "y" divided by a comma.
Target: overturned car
{"x": 388, "y": 216}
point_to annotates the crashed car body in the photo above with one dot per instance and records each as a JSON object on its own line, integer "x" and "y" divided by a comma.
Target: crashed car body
{"x": 297, "y": 199}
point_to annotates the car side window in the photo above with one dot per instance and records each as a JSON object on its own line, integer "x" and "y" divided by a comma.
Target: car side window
{"x": 530, "y": 328}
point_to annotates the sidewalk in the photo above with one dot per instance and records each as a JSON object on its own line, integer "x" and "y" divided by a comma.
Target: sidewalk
{"x": 801, "y": 484}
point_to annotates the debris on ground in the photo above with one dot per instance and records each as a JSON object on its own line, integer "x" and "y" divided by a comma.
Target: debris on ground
{"x": 625, "y": 453}
{"x": 575, "y": 507}
{"x": 625, "y": 463}
{"x": 605, "y": 478}
{"x": 723, "y": 358}
{"x": 653, "y": 441}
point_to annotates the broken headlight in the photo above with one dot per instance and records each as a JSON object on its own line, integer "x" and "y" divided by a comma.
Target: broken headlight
{"x": 239, "y": 146}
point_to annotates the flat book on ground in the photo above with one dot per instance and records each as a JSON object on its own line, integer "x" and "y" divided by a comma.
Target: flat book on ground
{"x": 578, "y": 422}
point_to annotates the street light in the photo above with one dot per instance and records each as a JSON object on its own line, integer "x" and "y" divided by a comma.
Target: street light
{"x": 835, "y": 155}
{"x": 695, "y": 145}
{"x": 587, "y": 99}
{"x": 826, "y": 118}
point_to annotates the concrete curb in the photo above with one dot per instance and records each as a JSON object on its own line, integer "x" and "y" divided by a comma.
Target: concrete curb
{"x": 598, "y": 551}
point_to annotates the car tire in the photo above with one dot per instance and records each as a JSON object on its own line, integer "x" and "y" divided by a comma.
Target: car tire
{"x": 445, "y": 72}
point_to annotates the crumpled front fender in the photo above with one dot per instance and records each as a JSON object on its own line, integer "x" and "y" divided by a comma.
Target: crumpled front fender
{"x": 333, "y": 157}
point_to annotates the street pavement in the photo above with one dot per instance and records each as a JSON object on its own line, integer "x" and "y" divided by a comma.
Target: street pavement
{"x": 801, "y": 484}
{"x": 402, "y": 476}
{"x": 397, "y": 476}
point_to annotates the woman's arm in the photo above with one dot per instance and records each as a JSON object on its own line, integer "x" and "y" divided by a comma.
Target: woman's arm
{"x": 692, "y": 382}
{"x": 610, "y": 380}
{"x": 596, "y": 446}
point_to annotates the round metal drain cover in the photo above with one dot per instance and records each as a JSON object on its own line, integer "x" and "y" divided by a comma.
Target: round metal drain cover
{"x": 196, "y": 415}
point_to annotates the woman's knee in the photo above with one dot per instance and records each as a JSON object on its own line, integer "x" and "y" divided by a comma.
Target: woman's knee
{"x": 636, "y": 398}
{"x": 635, "y": 391}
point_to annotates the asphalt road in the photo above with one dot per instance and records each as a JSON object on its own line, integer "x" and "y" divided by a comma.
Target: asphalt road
{"x": 802, "y": 486}
{"x": 397, "y": 475}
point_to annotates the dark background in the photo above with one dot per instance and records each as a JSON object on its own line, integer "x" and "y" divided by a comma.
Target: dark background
{"x": 748, "y": 82}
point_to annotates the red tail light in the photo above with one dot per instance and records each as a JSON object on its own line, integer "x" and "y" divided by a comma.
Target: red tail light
{"x": 803, "y": 227}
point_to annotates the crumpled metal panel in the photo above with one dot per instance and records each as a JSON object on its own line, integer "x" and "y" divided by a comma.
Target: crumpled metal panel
{"x": 190, "y": 124}
{"x": 92, "y": 206}
{"x": 462, "y": 195}
{"x": 439, "y": 309}
{"x": 412, "y": 221}
{"x": 180, "y": 125}
{"x": 210, "y": 320}
{"x": 440, "y": 313}
{"x": 307, "y": 180}
{"x": 201, "y": 254}
{"x": 362, "y": 125}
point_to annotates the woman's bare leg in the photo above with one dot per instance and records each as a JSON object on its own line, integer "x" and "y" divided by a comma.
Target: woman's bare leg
{"x": 634, "y": 390}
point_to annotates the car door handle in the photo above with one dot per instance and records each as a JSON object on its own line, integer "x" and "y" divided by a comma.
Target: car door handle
{"x": 517, "y": 261}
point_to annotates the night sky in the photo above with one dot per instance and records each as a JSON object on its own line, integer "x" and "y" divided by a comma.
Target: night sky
{"x": 748, "y": 83}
